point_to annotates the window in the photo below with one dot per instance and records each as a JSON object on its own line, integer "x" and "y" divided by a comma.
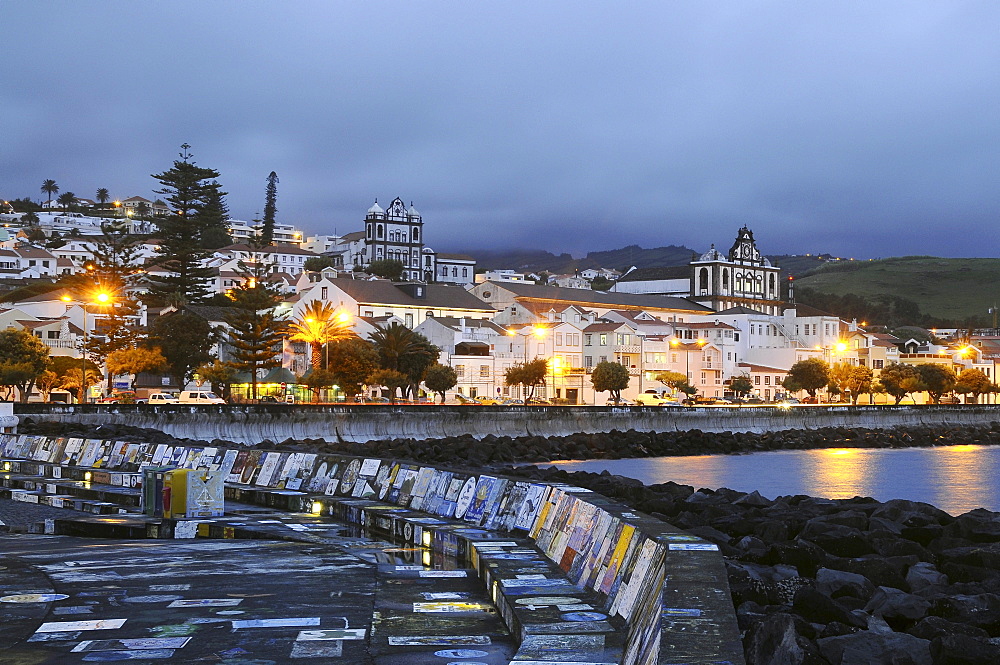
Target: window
{"x": 409, "y": 320}
{"x": 460, "y": 370}
{"x": 588, "y": 361}
{"x": 465, "y": 272}
{"x": 324, "y": 293}
{"x": 444, "y": 271}
{"x": 767, "y": 380}
{"x": 53, "y": 334}
{"x": 877, "y": 364}
{"x": 604, "y": 339}
{"x": 586, "y": 339}
{"x": 756, "y": 380}
{"x": 368, "y": 312}
{"x": 602, "y": 359}
{"x": 559, "y": 339}
{"x": 454, "y": 272}
{"x": 484, "y": 371}
{"x": 379, "y": 232}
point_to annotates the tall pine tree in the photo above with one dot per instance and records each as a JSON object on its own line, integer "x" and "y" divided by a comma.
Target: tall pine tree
{"x": 270, "y": 208}
{"x": 255, "y": 330}
{"x": 189, "y": 189}
{"x": 214, "y": 219}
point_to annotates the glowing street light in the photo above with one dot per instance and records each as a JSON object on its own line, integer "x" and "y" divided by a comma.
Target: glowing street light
{"x": 100, "y": 298}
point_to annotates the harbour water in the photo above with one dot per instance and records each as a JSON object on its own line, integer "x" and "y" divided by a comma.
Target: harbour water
{"x": 956, "y": 479}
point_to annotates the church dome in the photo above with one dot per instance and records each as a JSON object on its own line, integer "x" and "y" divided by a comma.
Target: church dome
{"x": 711, "y": 255}
{"x": 375, "y": 209}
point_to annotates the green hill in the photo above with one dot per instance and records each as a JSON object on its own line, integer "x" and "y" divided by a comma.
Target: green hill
{"x": 959, "y": 291}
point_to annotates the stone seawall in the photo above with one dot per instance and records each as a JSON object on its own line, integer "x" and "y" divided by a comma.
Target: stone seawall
{"x": 356, "y": 424}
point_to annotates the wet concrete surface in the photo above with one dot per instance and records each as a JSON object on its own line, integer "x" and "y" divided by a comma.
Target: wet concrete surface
{"x": 338, "y": 599}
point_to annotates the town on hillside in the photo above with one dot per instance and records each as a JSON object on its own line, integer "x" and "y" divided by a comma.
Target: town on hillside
{"x": 108, "y": 292}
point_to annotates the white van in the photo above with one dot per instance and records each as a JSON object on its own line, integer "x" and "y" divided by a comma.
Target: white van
{"x": 199, "y": 397}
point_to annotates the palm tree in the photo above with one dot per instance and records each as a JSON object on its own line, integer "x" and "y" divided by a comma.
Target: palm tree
{"x": 66, "y": 199}
{"x": 50, "y": 187}
{"x": 394, "y": 342}
{"x": 319, "y": 324}
{"x": 103, "y": 197}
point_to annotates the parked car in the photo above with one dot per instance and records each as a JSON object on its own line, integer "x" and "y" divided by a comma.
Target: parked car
{"x": 619, "y": 402}
{"x": 127, "y": 397}
{"x": 199, "y": 397}
{"x": 487, "y": 401}
{"x": 653, "y": 398}
{"x": 537, "y": 401}
{"x": 269, "y": 399}
{"x": 158, "y": 398}
{"x": 512, "y": 402}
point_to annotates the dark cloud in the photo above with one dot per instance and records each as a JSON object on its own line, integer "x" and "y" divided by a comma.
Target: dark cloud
{"x": 864, "y": 129}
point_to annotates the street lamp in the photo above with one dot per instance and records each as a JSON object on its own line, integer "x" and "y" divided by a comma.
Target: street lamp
{"x": 687, "y": 355}
{"x": 100, "y": 298}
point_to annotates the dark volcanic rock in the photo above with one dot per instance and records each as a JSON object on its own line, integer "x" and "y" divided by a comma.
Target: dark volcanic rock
{"x": 775, "y": 641}
{"x": 958, "y": 649}
{"x": 868, "y": 648}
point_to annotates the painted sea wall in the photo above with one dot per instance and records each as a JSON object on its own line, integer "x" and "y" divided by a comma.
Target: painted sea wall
{"x": 357, "y": 424}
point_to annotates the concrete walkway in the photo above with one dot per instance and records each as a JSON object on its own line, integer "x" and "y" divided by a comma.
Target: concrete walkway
{"x": 341, "y": 598}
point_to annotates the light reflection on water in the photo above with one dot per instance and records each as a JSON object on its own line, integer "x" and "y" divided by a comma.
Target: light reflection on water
{"x": 956, "y": 479}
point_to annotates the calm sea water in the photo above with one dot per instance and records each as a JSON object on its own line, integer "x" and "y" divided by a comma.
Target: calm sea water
{"x": 956, "y": 479}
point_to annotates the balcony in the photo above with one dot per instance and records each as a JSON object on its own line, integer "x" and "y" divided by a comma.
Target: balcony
{"x": 628, "y": 348}
{"x": 59, "y": 343}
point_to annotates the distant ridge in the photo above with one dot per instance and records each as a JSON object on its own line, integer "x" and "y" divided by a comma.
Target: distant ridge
{"x": 536, "y": 260}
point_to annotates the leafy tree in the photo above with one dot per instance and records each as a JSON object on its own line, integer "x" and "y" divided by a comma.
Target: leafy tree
{"x": 854, "y": 379}
{"x": 220, "y": 375}
{"x": 270, "y": 209}
{"x": 389, "y": 378}
{"x": 391, "y": 269}
{"x": 528, "y": 374}
{"x": 23, "y": 358}
{"x": 610, "y": 377}
{"x": 255, "y": 330}
{"x": 671, "y": 379}
{"x": 315, "y": 380}
{"x": 188, "y": 190}
{"x": 103, "y": 197}
{"x": 741, "y": 385}
{"x": 899, "y": 380}
{"x": 351, "y": 362}
{"x": 185, "y": 340}
{"x": 440, "y": 378}
{"x": 46, "y": 382}
{"x": 317, "y": 263}
{"x": 810, "y": 375}
{"x": 35, "y": 234}
{"x": 68, "y": 371}
{"x": 937, "y": 379}
{"x": 415, "y": 364}
{"x": 858, "y": 380}
{"x": 318, "y": 324}
{"x": 601, "y": 283}
{"x": 974, "y": 382}
{"x": 31, "y": 219}
{"x": 50, "y": 187}
{"x": 66, "y": 200}
{"x": 135, "y": 361}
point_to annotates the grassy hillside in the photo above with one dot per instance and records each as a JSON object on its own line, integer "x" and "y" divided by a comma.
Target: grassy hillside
{"x": 953, "y": 289}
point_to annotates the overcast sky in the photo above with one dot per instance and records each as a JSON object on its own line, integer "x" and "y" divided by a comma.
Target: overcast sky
{"x": 858, "y": 128}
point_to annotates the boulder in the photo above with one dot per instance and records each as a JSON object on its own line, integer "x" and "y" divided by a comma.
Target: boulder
{"x": 930, "y": 627}
{"x": 958, "y": 649}
{"x": 978, "y": 526}
{"x": 775, "y": 641}
{"x": 980, "y": 610}
{"x": 868, "y": 648}
{"x": 813, "y": 606}
{"x": 838, "y": 583}
{"x": 925, "y": 578}
{"x": 836, "y": 539}
{"x": 899, "y": 609}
